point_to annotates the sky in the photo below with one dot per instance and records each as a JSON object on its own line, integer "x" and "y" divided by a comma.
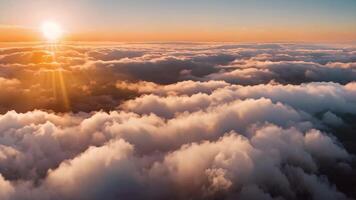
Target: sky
{"x": 205, "y": 20}
{"x": 257, "y": 103}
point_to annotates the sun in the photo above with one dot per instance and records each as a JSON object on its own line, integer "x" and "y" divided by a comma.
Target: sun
{"x": 51, "y": 31}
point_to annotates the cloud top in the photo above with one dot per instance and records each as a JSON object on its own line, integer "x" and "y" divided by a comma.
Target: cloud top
{"x": 177, "y": 121}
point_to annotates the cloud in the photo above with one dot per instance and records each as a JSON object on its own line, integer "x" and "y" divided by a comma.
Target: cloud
{"x": 332, "y": 119}
{"x": 286, "y": 72}
{"x": 181, "y": 88}
{"x": 148, "y": 148}
{"x": 6, "y": 189}
{"x": 113, "y": 54}
{"x": 220, "y": 168}
{"x": 107, "y": 165}
{"x": 169, "y": 121}
{"x": 310, "y": 98}
{"x": 87, "y": 76}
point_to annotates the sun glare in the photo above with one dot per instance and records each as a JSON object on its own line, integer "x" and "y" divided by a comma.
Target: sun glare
{"x": 51, "y": 31}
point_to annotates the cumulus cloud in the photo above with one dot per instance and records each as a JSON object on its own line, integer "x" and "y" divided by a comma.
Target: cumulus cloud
{"x": 6, "y": 189}
{"x": 177, "y": 121}
{"x": 310, "y": 98}
{"x": 293, "y": 72}
{"x": 89, "y": 76}
{"x": 221, "y": 168}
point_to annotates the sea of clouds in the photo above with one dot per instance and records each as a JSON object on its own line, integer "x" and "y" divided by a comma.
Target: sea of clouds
{"x": 177, "y": 121}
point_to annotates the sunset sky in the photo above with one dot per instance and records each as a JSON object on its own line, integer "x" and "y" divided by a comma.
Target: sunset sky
{"x": 182, "y": 20}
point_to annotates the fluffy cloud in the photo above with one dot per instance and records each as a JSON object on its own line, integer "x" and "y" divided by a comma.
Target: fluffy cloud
{"x": 177, "y": 121}
{"x": 6, "y": 189}
{"x": 147, "y": 152}
{"x": 224, "y": 168}
{"x": 310, "y": 98}
{"x": 293, "y": 72}
{"x": 88, "y": 77}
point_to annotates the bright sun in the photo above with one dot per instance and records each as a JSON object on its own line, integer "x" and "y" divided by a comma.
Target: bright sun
{"x": 51, "y": 31}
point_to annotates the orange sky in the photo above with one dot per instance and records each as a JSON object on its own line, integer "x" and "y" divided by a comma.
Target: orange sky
{"x": 20, "y": 34}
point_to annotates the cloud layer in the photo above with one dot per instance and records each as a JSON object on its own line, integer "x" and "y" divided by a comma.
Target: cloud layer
{"x": 85, "y": 76}
{"x": 177, "y": 121}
